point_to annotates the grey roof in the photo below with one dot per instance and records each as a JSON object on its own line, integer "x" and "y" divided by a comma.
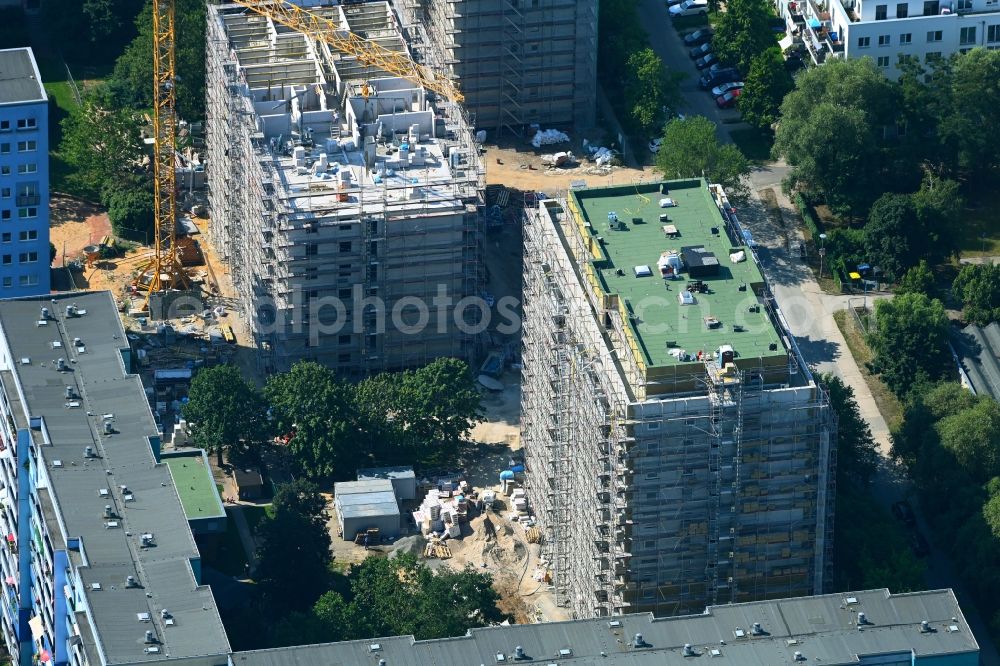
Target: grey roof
{"x": 824, "y": 629}
{"x": 401, "y": 472}
{"x": 978, "y": 350}
{"x": 364, "y": 499}
{"x": 123, "y": 458}
{"x": 19, "y": 78}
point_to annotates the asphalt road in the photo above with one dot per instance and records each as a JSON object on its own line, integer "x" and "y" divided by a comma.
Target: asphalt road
{"x": 667, "y": 43}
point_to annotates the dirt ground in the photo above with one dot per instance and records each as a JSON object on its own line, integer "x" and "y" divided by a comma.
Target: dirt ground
{"x": 521, "y": 168}
{"x": 75, "y": 224}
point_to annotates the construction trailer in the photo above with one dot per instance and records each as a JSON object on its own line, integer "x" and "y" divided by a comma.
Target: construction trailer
{"x": 366, "y": 505}
{"x": 518, "y": 62}
{"x": 679, "y": 453}
{"x": 341, "y": 197}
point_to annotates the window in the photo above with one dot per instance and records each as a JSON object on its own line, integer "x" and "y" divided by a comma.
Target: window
{"x": 883, "y": 61}
{"x": 26, "y": 213}
{"x": 933, "y": 36}
{"x": 880, "y": 12}
{"x": 7, "y": 259}
{"x": 344, "y": 358}
{"x": 4, "y": 125}
{"x": 4, "y": 148}
{"x": 993, "y": 33}
{"x": 4, "y": 214}
{"x": 930, "y": 7}
{"x": 967, "y": 35}
{"x": 905, "y": 38}
{"x": 27, "y": 280}
{"x": 26, "y": 146}
{"x": 26, "y": 123}
{"x": 933, "y": 56}
{"x": 864, "y": 42}
{"x": 5, "y": 237}
{"x": 27, "y": 168}
{"x": 29, "y": 235}
{"x": 964, "y": 5}
{"x": 27, "y": 257}
{"x": 8, "y": 282}
{"x": 902, "y": 9}
{"x": 4, "y": 193}
{"x": 5, "y": 170}
{"x": 344, "y": 293}
{"x": 345, "y": 246}
{"x": 344, "y": 339}
{"x": 312, "y": 250}
{"x": 884, "y": 40}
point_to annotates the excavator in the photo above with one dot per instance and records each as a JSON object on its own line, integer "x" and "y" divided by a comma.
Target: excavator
{"x": 164, "y": 271}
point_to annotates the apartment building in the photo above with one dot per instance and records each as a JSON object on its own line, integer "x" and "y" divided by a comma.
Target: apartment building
{"x": 679, "y": 454}
{"x": 887, "y": 31}
{"x": 343, "y": 199}
{"x": 517, "y": 62}
{"x": 98, "y": 562}
{"x": 853, "y": 628}
{"x": 24, "y": 176}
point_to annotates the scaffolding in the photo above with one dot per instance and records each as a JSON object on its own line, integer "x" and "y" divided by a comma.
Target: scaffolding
{"x": 666, "y": 500}
{"x": 332, "y": 181}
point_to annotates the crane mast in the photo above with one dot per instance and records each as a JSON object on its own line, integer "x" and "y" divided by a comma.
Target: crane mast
{"x": 367, "y": 52}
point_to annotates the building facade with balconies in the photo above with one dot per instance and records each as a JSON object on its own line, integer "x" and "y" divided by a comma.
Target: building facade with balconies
{"x": 24, "y": 177}
{"x": 888, "y": 31}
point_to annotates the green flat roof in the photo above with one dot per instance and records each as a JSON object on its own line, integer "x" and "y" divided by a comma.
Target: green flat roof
{"x": 660, "y": 322}
{"x": 195, "y": 485}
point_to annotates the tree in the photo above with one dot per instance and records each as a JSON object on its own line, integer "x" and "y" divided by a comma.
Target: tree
{"x": 974, "y": 103}
{"x": 131, "y": 208}
{"x": 832, "y": 134}
{"x": 973, "y": 436}
{"x": 650, "y": 89}
{"x": 691, "y": 149}
{"x": 226, "y": 413}
{"x": 910, "y": 341}
{"x": 978, "y": 287}
{"x": 316, "y": 410}
{"x": 293, "y": 548}
{"x": 939, "y": 205}
{"x": 742, "y": 33}
{"x": 767, "y": 83}
{"x": 857, "y": 453}
{"x": 918, "y": 280}
{"x": 892, "y": 239}
{"x": 90, "y": 30}
{"x": 847, "y": 244}
{"x": 132, "y": 81}
{"x": 102, "y": 145}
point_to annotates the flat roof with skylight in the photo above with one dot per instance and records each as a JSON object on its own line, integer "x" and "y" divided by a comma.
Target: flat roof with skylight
{"x": 682, "y": 276}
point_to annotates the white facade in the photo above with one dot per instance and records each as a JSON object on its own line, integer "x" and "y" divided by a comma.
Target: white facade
{"x": 886, "y": 30}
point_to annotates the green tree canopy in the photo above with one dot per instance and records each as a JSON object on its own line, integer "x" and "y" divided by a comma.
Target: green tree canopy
{"x": 692, "y": 149}
{"x": 978, "y": 287}
{"x": 831, "y": 133}
{"x": 317, "y": 411}
{"x": 293, "y": 548}
{"x": 857, "y": 454}
{"x": 102, "y": 145}
{"x": 973, "y": 436}
{"x": 742, "y": 33}
{"x": 910, "y": 341}
{"x": 131, "y": 208}
{"x": 918, "y": 280}
{"x": 650, "y": 89}
{"x": 226, "y": 413}
{"x": 974, "y": 104}
{"x": 90, "y": 31}
{"x": 767, "y": 83}
{"x": 892, "y": 236}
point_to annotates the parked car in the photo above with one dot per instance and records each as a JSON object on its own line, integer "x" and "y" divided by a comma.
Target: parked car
{"x": 717, "y": 74}
{"x": 723, "y": 88}
{"x": 700, "y": 50}
{"x": 904, "y": 513}
{"x": 671, "y": 3}
{"x": 919, "y": 545}
{"x": 654, "y": 145}
{"x": 728, "y": 100}
{"x": 697, "y": 37}
{"x": 689, "y": 8}
{"x": 706, "y": 60}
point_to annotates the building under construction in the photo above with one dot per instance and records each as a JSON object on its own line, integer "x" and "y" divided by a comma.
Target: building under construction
{"x": 343, "y": 199}
{"x": 518, "y": 62}
{"x": 679, "y": 453}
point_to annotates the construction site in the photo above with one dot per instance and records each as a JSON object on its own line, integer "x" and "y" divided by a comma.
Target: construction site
{"x": 342, "y": 194}
{"x": 519, "y": 62}
{"x": 679, "y": 453}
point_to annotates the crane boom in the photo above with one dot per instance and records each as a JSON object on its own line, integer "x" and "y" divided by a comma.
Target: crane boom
{"x": 367, "y": 52}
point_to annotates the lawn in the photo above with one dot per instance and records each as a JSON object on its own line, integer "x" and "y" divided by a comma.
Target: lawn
{"x": 979, "y": 236}
{"x": 755, "y": 144}
{"x": 886, "y": 401}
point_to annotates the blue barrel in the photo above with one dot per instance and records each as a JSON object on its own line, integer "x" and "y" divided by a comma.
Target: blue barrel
{"x": 506, "y": 475}
{"x": 517, "y": 469}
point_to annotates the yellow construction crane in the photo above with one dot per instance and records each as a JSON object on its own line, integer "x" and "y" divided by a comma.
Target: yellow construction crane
{"x": 367, "y": 52}
{"x": 164, "y": 270}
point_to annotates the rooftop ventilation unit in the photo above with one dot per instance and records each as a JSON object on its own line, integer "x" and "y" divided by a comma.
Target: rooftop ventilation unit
{"x": 689, "y": 651}
{"x": 518, "y": 652}
{"x": 88, "y": 452}
{"x": 150, "y": 637}
{"x": 756, "y": 629}
{"x": 798, "y": 656}
{"x": 925, "y": 627}
{"x": 147, "y": 540}
{"x": 108, "y": 512}
{"x": 45, "y": 314}
{"x": 61, "y": 365}
{"x": 130, "y": 581}
{"x": 862, "y": 619}
{"x": 638, "y": 642}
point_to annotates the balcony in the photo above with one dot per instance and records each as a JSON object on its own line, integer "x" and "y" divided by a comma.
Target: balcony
{"x": 28, "y": 199}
